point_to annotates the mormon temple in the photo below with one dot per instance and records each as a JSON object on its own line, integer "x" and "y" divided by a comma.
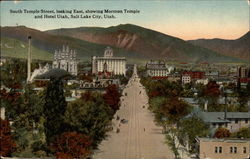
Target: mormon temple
{"x": 65, "y": 59}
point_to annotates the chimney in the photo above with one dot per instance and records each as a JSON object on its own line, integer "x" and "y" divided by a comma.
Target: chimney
{"x": 29, "y": 60}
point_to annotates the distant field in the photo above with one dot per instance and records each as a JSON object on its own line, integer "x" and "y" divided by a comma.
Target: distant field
{"x": 18, "y": 49}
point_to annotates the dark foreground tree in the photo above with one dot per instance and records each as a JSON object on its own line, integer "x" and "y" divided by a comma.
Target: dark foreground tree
{"x": 54, "y": 109}
{"x": 7, "y": 145}
{"x": 71, "y": 145}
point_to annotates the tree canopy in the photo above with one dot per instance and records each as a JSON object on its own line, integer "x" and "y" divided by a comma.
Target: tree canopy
{"x": 174, "y": 109}
{"x": 112, "y": 97}
{"x": 54, "y": 110}
{"x": 7, "y": 144}
{"x": 91, "y": 118}
{"x": 222, "y": 133}
{"x": 71, "y": 145}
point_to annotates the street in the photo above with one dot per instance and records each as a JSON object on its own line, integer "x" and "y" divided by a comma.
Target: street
{"x": 134, "y": 135}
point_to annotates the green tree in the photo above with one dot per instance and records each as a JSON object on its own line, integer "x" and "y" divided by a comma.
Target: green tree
{"x": 92, "y": 118}
{"x": 210, "y": 94}
{"x": 155, "y": 106}
{"x": 191, "y": 128}
{"x": 13, "y": 73}
{"x": 54, "y": 110}
{"x": 30, "y": 110}
{"x": 243, "y": 98}
{"x": 174, "y": 109}
{"x": 242, "y": 133}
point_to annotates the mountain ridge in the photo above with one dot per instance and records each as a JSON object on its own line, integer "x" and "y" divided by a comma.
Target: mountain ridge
{"x": 131, "y": 41}
{"x": 141, "y": 40}
{"x": 239, "y": 47}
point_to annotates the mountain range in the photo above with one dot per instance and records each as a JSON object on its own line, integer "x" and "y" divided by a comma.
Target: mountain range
{"x": 239, "y": 48}
{"x": 134, "y": 42}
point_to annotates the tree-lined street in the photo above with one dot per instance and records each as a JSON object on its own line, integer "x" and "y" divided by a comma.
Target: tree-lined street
{"x": 134, "y": 135}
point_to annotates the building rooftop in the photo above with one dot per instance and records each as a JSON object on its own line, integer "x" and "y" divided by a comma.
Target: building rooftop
{"x": 229, "y": 140}
{"x": 116, "y": 58}
{"x": 156, "y": 64}
{"x": 218, "y": 117}
{"x": 53, "y": 73}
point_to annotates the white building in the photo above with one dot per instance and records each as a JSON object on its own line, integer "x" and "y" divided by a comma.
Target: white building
{"x": 185, "y": 79}
{"x": 157, "y": 68}
{"x": 109, "y": 63}
{"x": 65, "y": 59}
{"x": 202, "y": 81}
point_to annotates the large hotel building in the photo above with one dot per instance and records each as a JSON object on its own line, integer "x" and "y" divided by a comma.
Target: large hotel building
{"x": 109, "y": 63}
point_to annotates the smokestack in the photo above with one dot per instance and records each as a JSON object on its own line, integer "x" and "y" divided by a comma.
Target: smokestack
{"x": 29, "y": 60}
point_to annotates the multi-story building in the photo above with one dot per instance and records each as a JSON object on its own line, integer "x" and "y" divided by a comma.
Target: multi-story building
{"x": 244, "y": 72}
{"x": 214, "y": 75}
{"x": 185, "y": 79}
{"x": 157, "y": 68}
{"x": 109, "y": 63}
{"x": 65, "y": 59}
{"x": 194, "y": 74}
{"x": 213, "y": 148}
{"x": 233, "y": 121}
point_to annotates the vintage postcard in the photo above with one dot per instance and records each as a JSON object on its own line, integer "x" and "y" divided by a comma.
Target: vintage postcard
{"x": 134, "y": 79}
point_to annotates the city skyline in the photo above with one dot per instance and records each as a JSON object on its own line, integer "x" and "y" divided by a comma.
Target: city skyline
{"x": 183, "y": 19}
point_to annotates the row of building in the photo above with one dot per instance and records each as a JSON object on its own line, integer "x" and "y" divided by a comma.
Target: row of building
{"x": 66, "y": 59}
{"x": 158, "y": 69}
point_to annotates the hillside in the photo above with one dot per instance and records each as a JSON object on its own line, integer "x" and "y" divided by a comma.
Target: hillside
{"x": 48, "y": 43}
{"x": 137, "y": 44}
{"x": 144, "y": 42}
{"x": 15, "y": 48}
{"x": 236, "y": 48}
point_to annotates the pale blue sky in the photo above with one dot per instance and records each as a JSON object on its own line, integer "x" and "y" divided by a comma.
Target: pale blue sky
{"x": 186, "y": 19}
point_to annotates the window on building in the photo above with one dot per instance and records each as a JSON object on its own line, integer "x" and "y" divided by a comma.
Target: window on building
{"x": 220, "y": 149}
{"x": 231, "y": 149}
{"x": 235, "y": 149}
{"x": 246, "y": 121}
{"x": 216, "y": 150}
{"x": 244, "y": 150}
{"x": 236, "y": 121}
